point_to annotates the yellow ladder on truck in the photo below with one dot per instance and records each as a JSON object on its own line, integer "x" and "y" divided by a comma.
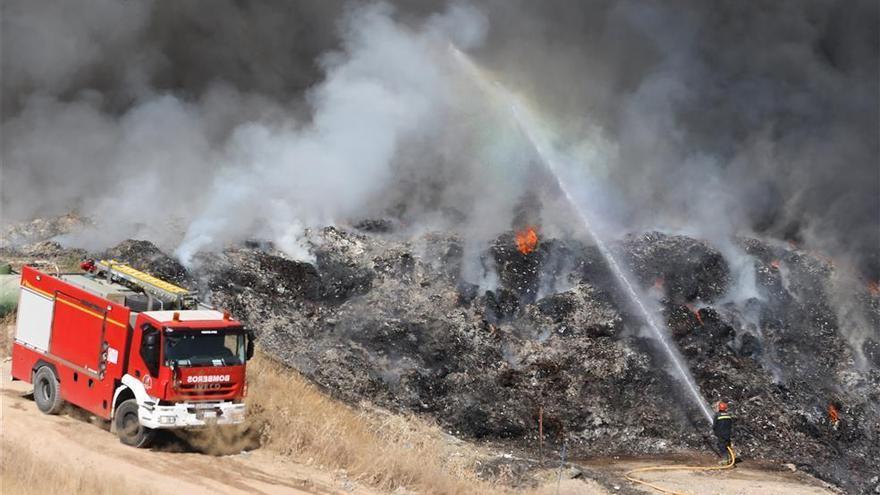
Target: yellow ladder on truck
{"x": 165, "y": 291}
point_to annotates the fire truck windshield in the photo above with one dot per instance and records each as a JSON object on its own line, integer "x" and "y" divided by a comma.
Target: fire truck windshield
{"x": 204, "y": 347}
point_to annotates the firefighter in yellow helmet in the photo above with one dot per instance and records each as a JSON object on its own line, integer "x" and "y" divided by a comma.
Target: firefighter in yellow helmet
{"x": 722, "y": 426}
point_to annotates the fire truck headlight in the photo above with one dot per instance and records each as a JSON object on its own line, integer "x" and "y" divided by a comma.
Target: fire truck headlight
{"x": 167, "y": 420}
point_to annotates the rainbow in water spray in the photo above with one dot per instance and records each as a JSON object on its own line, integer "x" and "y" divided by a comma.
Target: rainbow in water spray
{"x": 527, "y": 124}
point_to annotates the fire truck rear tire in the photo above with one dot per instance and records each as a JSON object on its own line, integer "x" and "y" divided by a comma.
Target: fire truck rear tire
{"x": 131, "y": 432}
{"x": 47, "y": 391}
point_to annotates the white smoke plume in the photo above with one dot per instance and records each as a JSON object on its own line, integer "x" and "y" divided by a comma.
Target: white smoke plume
{"x": 196, "y": 124}
{"x": 388, "y": 85}
{"x": 228, "y": 165}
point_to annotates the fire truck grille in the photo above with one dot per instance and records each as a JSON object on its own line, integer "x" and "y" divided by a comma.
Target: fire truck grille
{"x": 202, "y": 391}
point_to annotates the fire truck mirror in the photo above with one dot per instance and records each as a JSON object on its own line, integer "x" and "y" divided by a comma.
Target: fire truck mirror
{"x": 250, "y": 345}
{"x": 150, "y": 349}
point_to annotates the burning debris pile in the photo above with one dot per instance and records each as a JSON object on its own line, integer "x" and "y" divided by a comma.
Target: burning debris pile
{"x": 391, "y": 321}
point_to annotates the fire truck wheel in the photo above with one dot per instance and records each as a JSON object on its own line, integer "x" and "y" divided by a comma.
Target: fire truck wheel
{"x": 47, "y": 392}
{"x": 129, "y": 427}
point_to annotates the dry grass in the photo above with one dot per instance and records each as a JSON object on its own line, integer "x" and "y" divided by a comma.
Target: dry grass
{"x": 7, "y": 334}
{"x": 293, "y": 418}
{"x": 386, "y": 451}
{"x": 23, "y": 472}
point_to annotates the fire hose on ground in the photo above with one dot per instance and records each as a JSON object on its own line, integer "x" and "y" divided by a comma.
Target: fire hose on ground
{"x": 629, "y": 475}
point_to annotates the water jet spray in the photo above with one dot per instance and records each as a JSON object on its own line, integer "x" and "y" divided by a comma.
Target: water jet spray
{"x": 526, "y": 124}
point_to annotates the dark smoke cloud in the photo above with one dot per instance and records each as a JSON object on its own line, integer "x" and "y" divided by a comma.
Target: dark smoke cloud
{"x": 711, "y": 117}
{"x": 125, "y": 50}
{"x": 750, "y": 116}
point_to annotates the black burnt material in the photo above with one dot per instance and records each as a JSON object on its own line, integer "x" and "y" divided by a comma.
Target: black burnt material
{"x": 143, "y": 255}
{"x": 519, "y": 272}
{"x": 688, "y": 269}
{"x": 392, "y": 322}
{"x": 529, "y": 274}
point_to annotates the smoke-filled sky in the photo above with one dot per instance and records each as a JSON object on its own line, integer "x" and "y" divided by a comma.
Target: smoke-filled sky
{"x": 199, "y": 123}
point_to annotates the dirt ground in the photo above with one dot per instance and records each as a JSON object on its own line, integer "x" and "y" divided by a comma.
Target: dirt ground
{"x": 72, "y": 439}
{"x": 748, "y": 478}
{"x": 67, "y": 439}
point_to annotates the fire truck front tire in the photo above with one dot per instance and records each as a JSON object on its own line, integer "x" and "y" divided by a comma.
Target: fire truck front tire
{"x": 129, "y": 428}
{"x": 47, "y": 391}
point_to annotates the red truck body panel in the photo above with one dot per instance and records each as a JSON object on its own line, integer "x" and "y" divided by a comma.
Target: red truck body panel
{"x": 80, "y": 323}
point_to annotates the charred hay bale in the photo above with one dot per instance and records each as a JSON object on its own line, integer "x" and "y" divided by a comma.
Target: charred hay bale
{"x": 413, "y": 359}
{"x": 871, "y": 303}
{"x": 592, "y": 267}
{"x": 796, "y": 312}
{"x": 558, "y": 261}
{"x": 499, "y": 305}
{"x": 687, "y": 268}
{"x": 281, "y": 279}
{"x": 579, "y": 312}
{"x": 750, "y": 346}
{"x": 491, "y": 402}
{"x": 343, "y": 264}
{"x": 480, "y": 420}
{"x": 540, "y": 270}
{"x": 700, "y": 333}
{"x": 291, "y": 278}
{"x": 273, "y": 277}
{"x": 759, "y": 249}
{"x": 398, "y": 264}
{"x": 341, "y": 279}
{"x": 444, "y": 254}
{"x": 871, "y": 350}
{"x": 557, "y": 306}
{"x": 518, "y": 272}
{"x": 786, "y": 274}
{"x": 427, "y": 341}
{"x": 145, "y": 256}
{"x": 349, "y": 372}
{"x": 596, "y": 389}
{"x": 466, "y": 293}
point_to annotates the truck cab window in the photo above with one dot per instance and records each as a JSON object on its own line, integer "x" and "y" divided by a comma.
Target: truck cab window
{"x": 150, "y": 348}
{"x": 208, "y": 347}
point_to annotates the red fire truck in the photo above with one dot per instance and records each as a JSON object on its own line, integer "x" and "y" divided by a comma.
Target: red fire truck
{"x": 129, "y": 348}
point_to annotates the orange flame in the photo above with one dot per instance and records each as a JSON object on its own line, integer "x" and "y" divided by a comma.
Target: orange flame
{"x": 659, "y": 282}
{"x": 527, "y": 240}
{"x": 696, "y": 312}
{"x": 833, "y": 414}
{"x": 874, "y": 287}
{"x": 775, "y": 264}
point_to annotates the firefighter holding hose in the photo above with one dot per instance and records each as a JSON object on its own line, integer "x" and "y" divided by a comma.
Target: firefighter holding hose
{"x": 722, "y": 426}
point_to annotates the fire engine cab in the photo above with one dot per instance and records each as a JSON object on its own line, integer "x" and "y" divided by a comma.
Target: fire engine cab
{"x": 129, "y": 348}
